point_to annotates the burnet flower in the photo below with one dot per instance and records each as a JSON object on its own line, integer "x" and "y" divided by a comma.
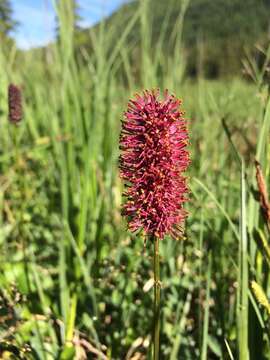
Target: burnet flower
{"x": 15, "y": 104}
{"x": 154, "y": 156}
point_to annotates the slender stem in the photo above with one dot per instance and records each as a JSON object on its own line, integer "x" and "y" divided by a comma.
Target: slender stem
{"x": 21, "y": 181}
{"x": 71, "y": 320}
{"x": 156, "y": 299}
{"x": 21, "y": 226}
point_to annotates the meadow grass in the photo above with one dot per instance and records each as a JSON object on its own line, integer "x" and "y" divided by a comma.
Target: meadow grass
{"x": 74, "y": 283}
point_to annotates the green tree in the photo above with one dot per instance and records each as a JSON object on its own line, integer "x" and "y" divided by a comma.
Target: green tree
{"x": 7, "y": 23}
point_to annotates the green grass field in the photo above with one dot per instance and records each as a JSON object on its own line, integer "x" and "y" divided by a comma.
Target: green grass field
{"x": 74, "y": 283}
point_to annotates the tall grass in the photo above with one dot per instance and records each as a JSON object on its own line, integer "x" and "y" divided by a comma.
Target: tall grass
{"x": 90, "y": 280}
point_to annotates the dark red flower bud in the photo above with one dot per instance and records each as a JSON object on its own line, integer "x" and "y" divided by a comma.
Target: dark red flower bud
{"x": 153, "y": 141}
{"x": 15, "y": 104}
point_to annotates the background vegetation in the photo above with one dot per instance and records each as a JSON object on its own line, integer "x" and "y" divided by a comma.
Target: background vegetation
{"x": 216, "y": 34}
{"x": 74, "y": 283}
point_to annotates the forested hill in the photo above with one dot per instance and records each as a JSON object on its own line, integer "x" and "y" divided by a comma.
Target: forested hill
{"x": 216, "y": 33}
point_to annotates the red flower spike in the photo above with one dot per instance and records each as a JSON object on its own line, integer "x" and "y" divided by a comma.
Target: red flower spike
{"x": 15, "y": 104}
{"x": 153, "y": 141}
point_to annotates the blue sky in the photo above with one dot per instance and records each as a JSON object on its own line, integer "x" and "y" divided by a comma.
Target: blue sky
{"x": 37, "y": 18}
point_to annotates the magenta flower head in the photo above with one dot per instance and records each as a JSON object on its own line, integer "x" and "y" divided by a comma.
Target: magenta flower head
{"x": 153, "y": 141}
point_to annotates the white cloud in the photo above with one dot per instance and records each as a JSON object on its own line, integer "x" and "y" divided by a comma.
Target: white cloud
{"x": 37, "y": 18}
{"x": 37, "y": 23}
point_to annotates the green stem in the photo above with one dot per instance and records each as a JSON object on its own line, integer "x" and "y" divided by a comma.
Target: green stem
{"x": 71, "y": 320}
{"x": 22, "y": 187}
{"x": 156, "y": 299}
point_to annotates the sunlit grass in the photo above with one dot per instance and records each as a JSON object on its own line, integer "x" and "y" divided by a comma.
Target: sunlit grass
{"x": 88, "y": 277}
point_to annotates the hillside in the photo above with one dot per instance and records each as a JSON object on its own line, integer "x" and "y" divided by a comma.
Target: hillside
{"x": 216, "y": 33}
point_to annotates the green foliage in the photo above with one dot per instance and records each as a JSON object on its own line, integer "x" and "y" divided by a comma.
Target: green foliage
{"x": 73, "y": 281}
{"x": 216, "y": 34}
{"x": 7, "y": 23}
{"x": 69, "y": 9}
